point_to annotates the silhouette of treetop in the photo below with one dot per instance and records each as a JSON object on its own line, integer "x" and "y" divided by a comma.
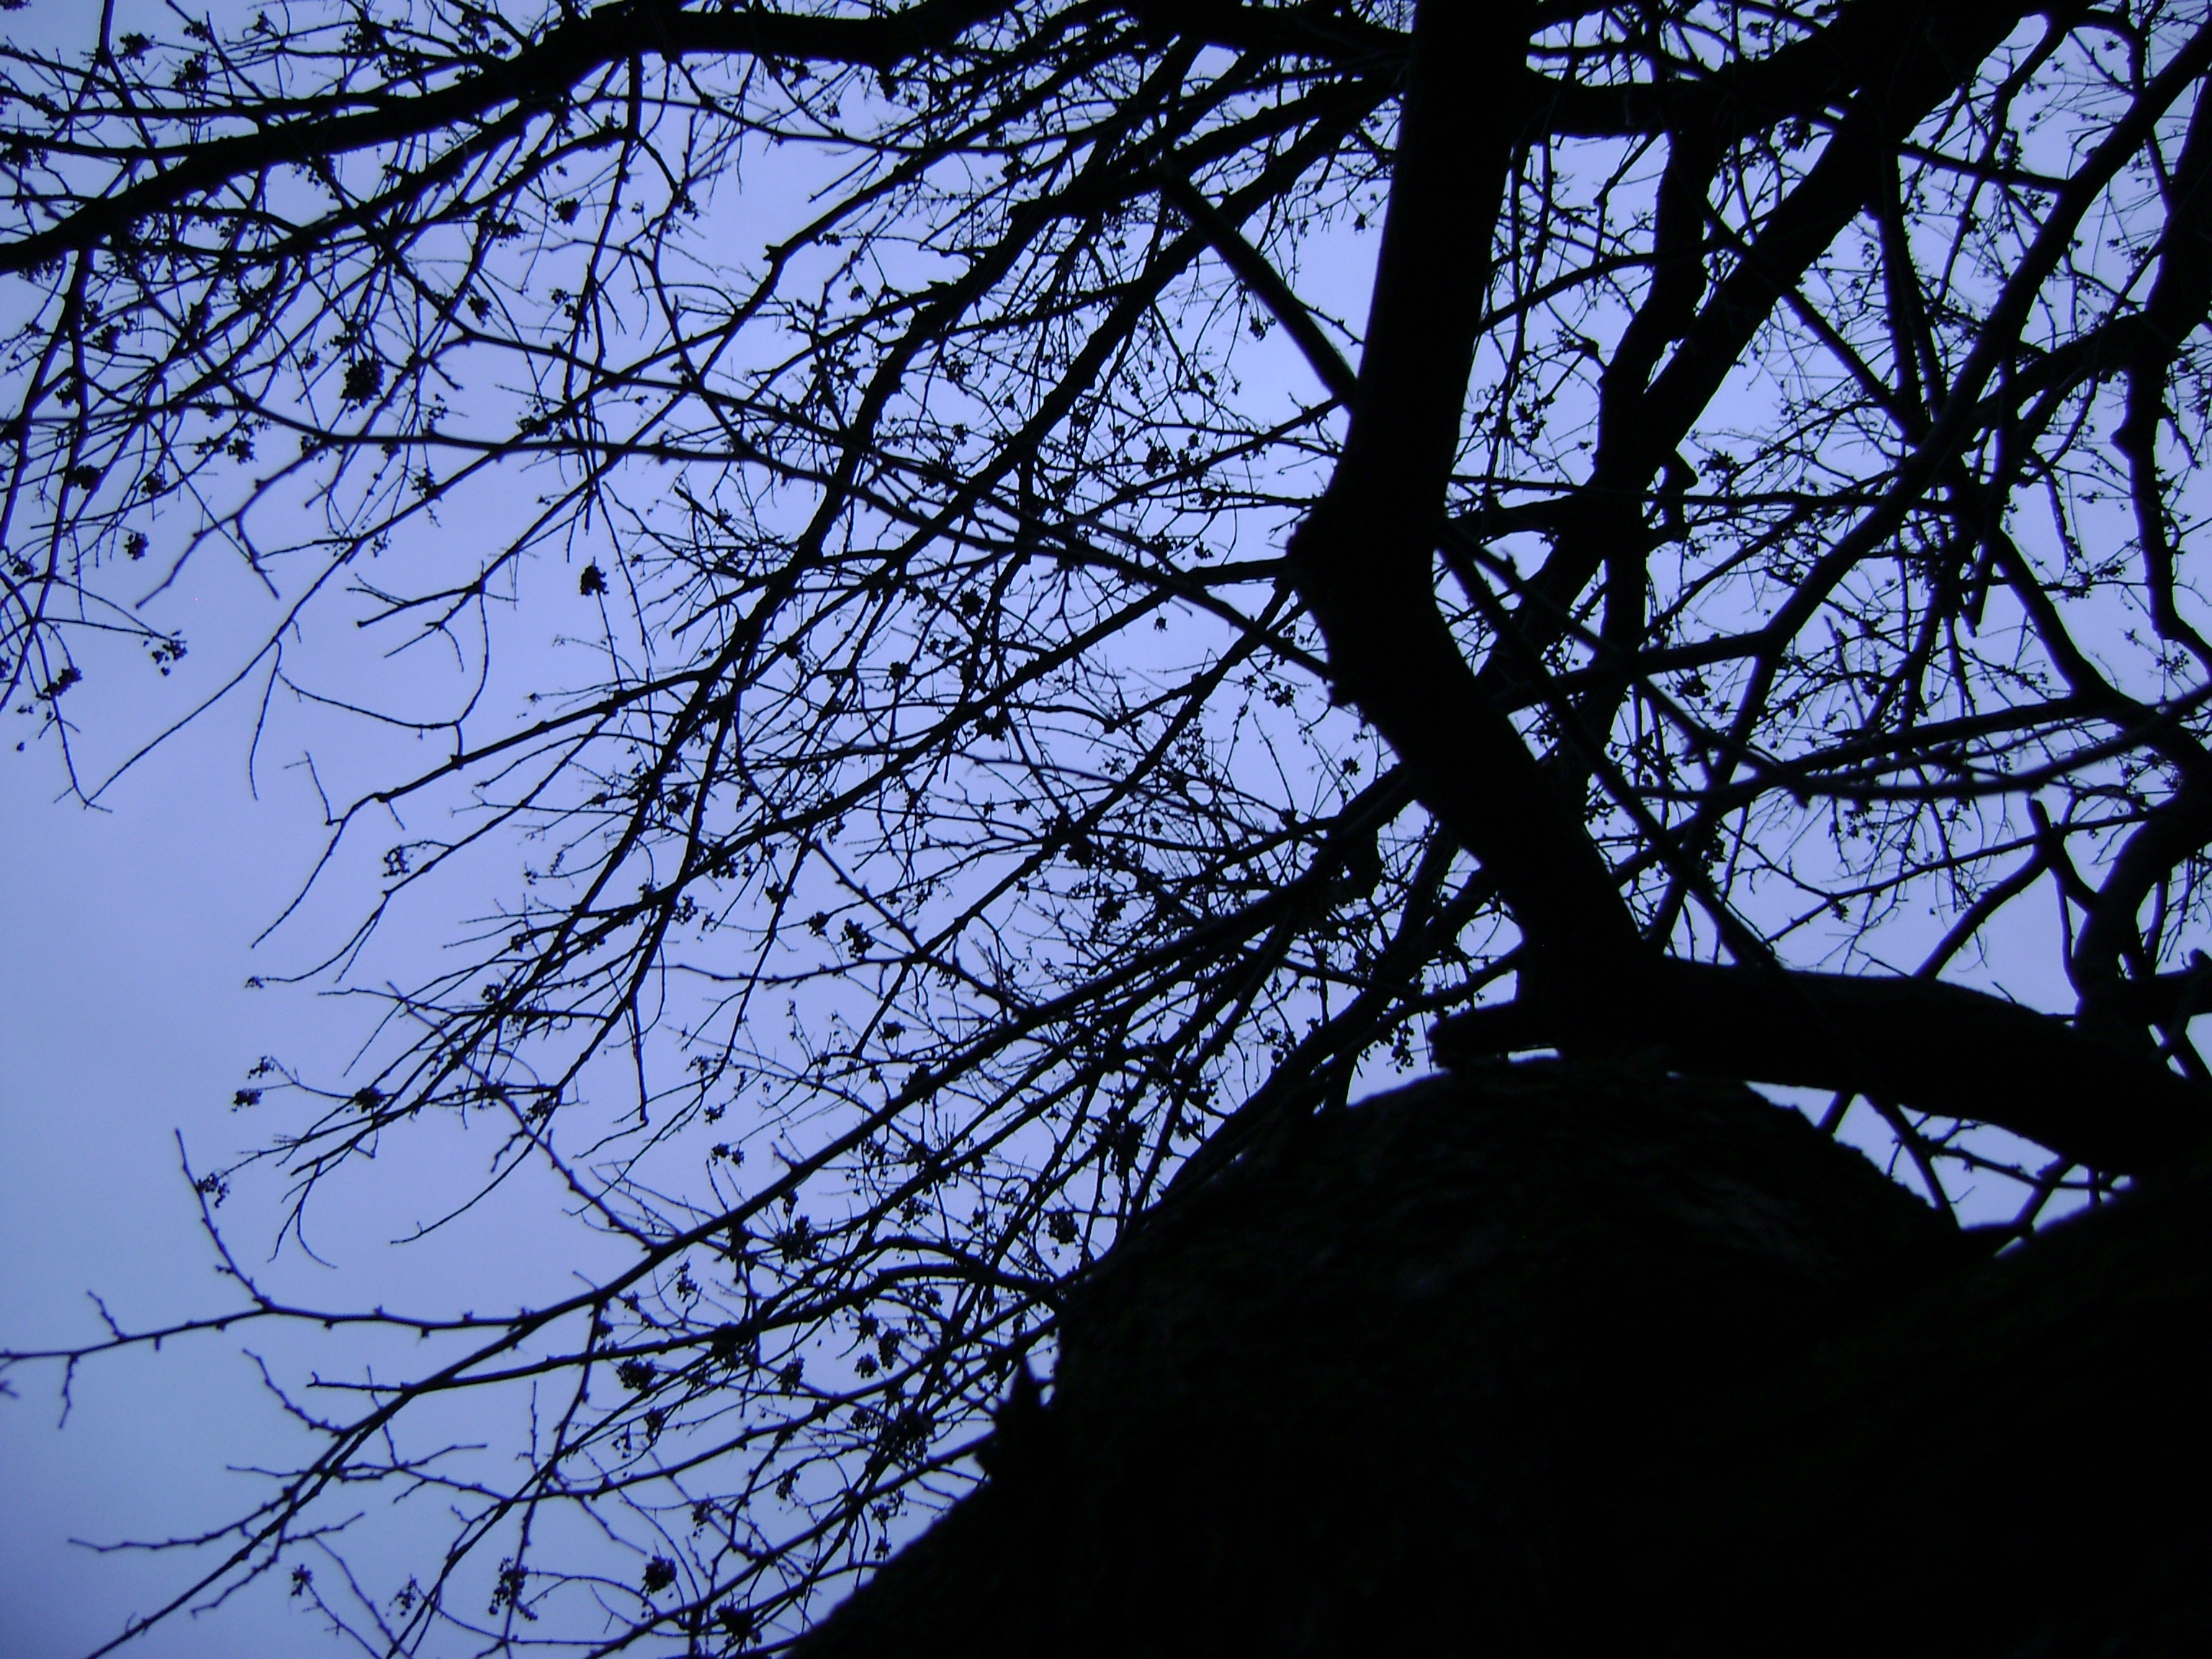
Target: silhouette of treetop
{"x": 1117, "y": 565}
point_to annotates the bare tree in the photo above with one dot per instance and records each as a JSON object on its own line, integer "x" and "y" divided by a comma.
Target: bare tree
{"x": 1060, "y": 700}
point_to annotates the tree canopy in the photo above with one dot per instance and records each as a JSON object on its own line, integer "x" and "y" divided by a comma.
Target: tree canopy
{"x": 1117, "y": 564}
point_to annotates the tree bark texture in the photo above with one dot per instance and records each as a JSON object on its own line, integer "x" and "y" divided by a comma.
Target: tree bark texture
{"x": 1552, "y": 1357}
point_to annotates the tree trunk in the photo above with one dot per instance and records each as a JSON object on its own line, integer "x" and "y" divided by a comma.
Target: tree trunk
{"x": 1548, "y": 1357}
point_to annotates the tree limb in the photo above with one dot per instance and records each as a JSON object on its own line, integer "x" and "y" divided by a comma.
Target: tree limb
{"x": 540, "y": 74}
{"x": 1935, "y": 1047}
{"x": 1364, "y": 559}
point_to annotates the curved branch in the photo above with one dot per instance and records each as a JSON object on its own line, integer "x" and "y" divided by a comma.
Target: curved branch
{"x": 1935, "y": 1047}
{"x": 1364, "y": 558}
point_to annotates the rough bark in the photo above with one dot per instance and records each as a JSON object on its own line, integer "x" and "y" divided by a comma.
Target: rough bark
{"x": 1552, "y": 1359}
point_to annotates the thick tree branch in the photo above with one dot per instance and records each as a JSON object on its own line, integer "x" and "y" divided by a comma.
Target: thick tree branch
{"x": 539, "y": 74}
{"x": 1802, "y": 80}
{"x": 1935, "y": 1047}
{"x": 1364, "y": 559}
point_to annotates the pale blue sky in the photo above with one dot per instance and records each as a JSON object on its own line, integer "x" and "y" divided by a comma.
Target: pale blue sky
{"x": 123, "y": 1017}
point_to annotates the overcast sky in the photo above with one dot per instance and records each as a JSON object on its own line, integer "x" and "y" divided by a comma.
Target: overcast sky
{"x": 125, "y": 1028}
{"x": 124, "y": 1018}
